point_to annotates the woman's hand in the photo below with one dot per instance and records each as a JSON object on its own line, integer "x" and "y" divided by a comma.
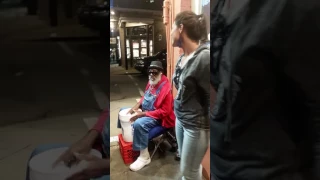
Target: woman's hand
{"x": 68, "y": 156}
{"x": 96, "y": 167}
{"x": 83, "y": 146}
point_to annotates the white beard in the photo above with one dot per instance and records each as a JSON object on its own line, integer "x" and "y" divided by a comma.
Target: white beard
{"x": 156, "y": 81}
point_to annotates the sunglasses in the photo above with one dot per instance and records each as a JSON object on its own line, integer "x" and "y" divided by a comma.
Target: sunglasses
{"x": 153, "y": 73}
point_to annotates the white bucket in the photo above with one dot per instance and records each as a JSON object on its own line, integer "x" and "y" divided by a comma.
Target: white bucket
{"x": 41, "y": 165}
{"x": 127, "y": 130}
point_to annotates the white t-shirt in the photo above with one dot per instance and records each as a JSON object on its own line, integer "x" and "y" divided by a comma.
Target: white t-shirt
{"x": 186, "y": 60}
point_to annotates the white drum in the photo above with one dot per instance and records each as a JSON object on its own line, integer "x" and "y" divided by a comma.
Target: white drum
{"x": 127, "y": 130}
{"x": 41, "y": 165}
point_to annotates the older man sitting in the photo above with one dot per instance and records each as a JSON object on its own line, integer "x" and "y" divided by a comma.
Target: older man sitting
{"x": 157, "y": 110}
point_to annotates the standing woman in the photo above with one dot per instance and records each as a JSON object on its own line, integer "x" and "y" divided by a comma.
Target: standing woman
{"x": 192, "y": 103}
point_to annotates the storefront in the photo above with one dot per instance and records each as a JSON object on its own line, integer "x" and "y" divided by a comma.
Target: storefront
{"x": 139, "y": 42}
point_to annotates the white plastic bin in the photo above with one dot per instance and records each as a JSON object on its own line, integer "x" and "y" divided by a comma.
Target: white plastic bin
{"x": 127, "y": 130}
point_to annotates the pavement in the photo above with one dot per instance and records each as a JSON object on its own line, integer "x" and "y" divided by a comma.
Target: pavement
{"x": 125, "y": 87}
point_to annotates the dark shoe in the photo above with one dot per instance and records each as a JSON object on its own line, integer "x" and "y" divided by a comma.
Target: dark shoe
{"x": 177, "y": 157}
{"x": 174, "y": 148}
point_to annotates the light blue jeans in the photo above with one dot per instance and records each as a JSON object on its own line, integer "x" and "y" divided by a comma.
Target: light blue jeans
{"x": 43, "y": 148}
{"x": 192, "y": 144}
{"x": 141, "y": 129}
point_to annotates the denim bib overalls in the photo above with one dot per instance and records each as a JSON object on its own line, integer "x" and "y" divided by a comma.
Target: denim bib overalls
{"x": 149, "y": 98}
{"x": 142, "y": 126}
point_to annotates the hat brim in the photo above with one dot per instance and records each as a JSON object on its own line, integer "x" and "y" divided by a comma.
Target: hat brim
{"x": 155, "y": 67}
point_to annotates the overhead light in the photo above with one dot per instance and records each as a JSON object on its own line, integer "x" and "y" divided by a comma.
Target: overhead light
{"x": 111, "y": 30}
{"x": 112, "y": 12}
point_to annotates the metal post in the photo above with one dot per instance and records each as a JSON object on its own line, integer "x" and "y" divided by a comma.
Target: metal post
{"x": 125, "y": 45}
{"x": 148, "y": 46}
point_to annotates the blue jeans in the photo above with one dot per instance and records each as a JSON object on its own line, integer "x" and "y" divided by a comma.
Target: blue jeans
{"x": 141, "y": 128}
{"x": 43, "y": 148}
{"x": 192, "y": 144}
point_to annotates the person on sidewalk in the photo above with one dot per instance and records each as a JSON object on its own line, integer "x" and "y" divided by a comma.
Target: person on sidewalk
{"x": 192, "y": 102}
{"x": 157, "y": 110}
{"x": 265, "y": 65}
{"x": 97, "y": 138}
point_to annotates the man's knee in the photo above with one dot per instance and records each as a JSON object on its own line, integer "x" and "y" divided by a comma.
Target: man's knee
{"x": 139, "y": 123}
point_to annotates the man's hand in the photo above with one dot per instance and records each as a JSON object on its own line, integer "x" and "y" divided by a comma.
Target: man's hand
{"x": 138, "y": 114}
{"x": 96, "y": 168}
{"x": 134, "y": 108}
{"x": 131, "y": 111}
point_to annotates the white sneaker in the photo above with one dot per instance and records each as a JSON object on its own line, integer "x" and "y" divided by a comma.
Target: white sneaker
{"x": 139, "y": 164}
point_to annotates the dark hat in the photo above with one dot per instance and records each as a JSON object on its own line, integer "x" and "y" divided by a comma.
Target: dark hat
{"x": 156, "y": 65}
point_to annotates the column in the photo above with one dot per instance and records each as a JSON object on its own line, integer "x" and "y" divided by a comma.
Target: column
{"x": 122, "y": 35}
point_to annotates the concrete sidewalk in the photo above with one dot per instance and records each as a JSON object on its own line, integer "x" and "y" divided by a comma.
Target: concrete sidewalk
{"x": 122, "y": 93}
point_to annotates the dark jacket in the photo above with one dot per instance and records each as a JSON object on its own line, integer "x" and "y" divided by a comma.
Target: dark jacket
{"x": 192, "y": 102}
{"x": 265, "y": 65}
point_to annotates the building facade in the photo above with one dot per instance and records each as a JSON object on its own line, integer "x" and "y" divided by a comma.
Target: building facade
{"x": 140, "y": 27}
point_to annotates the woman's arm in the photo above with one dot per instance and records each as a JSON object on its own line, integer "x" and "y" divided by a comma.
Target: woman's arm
{"x": 203, "y": 76}
{"x": 101, "y": 121}
{"x": 97, "y": 129}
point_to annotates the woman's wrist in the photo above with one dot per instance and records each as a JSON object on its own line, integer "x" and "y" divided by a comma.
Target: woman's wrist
{"x": 91, "y": 137}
